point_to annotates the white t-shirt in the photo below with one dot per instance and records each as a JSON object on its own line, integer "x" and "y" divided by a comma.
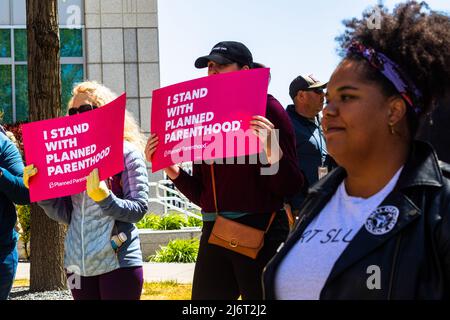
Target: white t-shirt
{"x": 305, "y": 269}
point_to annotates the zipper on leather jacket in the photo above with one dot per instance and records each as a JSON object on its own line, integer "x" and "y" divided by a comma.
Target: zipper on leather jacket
{"x": 299, "y": 220}
{"x": 394, "y": 265}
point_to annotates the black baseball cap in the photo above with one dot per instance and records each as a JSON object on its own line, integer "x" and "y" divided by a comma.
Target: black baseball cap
{"x": 304, "y": 83}
{"x": 227, "y": 52}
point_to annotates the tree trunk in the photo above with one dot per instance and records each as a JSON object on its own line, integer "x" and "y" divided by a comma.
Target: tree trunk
{"x": 44, "y": 96}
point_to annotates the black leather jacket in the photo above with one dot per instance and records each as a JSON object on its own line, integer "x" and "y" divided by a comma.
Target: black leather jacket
{"x": 413, "y": 258}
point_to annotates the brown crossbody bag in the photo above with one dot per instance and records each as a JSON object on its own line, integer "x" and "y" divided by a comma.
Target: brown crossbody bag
{"x": 236, "y": 236}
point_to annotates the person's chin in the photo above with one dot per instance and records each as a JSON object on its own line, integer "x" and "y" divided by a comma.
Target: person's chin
{"x": 336, "y": 148}
{"x": 335, "y": 140}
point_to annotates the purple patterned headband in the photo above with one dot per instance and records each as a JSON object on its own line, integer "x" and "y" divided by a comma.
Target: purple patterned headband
{"x": 392, "y": 72}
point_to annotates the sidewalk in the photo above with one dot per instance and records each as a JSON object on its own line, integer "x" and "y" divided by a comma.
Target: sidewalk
{"x": 153, "y": 272}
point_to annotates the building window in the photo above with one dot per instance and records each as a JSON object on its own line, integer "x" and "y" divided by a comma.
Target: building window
{"x": 5, "y": 92}
{"x": 5, "y": 43}
{"x": 72, "y": 62}
{"x": 13, "y": 62}
{"x": 70, "y": 75}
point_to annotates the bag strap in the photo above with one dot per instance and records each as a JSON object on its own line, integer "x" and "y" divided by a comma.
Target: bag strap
{"x": 214, "y": 187}
{"x": 213, "y": 178}
{"x": 270, "y": 221}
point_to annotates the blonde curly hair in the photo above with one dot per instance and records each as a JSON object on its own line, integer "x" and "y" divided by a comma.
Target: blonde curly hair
{"x": 101, "y": 95}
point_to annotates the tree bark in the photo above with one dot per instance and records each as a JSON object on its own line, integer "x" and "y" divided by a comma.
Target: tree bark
{"x": 44, "y": 96}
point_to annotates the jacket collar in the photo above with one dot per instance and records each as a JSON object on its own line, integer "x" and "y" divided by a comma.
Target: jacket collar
{"x": 421, "y": 169}
{"x": 294, "y": 114}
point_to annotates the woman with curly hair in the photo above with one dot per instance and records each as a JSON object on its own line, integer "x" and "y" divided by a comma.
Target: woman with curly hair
{"x": 97, "y": 270}
{"x": 378, "y": 226}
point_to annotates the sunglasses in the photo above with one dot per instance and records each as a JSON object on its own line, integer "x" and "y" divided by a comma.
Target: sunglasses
{"x": 81, "y": 109}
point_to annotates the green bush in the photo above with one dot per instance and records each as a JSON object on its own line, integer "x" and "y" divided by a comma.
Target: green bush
{"x": 194, "y": 222}
{"x": 149, "y": 221}
{"x": 24, "y": 216}
{"x": 171, "y": 221}
{"x": 178, "y": 250}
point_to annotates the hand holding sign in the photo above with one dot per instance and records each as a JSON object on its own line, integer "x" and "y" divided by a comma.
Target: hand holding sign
{"x": 97, "y": 190}
{"x": 265, "y": 131}
{"x": 150, "y": 148}
{"x": 28, "y": 172}
{"x": 262, "y": 128}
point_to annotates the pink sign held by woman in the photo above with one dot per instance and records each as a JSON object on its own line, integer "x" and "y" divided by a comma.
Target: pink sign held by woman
{"x": 208, "y": 118}
{"x": 66, "y": 149}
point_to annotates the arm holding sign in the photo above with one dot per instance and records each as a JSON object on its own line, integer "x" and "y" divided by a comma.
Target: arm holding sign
{"x": 56, "y": 209}
{"x": 11, "y": 170}
{"x": 189, "y": 185}
{"x": 153, "y": 141}
{"x": 288, "y": 179}
{"x": 265, "y": 131}
{"x": 134, "y": 179}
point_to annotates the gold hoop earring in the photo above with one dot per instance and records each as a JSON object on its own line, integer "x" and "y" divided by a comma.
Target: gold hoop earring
{"x": 391, "y": 127}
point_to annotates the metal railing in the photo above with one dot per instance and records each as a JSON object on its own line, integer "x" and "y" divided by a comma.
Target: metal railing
{"x": 172, "y": 199}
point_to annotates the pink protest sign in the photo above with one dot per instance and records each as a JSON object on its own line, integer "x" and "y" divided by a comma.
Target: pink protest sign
{"x": 65, "y": 150}
{"x": 208, "y": 118}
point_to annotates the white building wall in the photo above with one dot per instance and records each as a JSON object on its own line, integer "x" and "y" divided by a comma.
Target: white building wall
{"x": 122, "y": 50}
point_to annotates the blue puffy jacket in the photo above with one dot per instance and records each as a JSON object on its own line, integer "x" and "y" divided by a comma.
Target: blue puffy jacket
{"x": 88, "y": 250}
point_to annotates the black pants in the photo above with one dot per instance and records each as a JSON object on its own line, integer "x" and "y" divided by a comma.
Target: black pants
{"x": 222, "y": 274}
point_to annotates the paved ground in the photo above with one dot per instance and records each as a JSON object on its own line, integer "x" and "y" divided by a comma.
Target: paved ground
{"x": 180, "y": 272}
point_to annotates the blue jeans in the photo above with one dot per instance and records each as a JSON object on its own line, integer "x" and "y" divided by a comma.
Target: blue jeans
{"x": 8, "y": 266}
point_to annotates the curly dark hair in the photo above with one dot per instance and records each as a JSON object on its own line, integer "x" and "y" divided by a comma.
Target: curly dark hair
{"x": 415, "y": 37}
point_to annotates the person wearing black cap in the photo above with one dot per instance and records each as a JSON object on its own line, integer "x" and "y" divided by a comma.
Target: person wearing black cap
{"x": 226, "y": 54}
{"x": 239, "y": 192}
{"x": 308, "y": 97}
